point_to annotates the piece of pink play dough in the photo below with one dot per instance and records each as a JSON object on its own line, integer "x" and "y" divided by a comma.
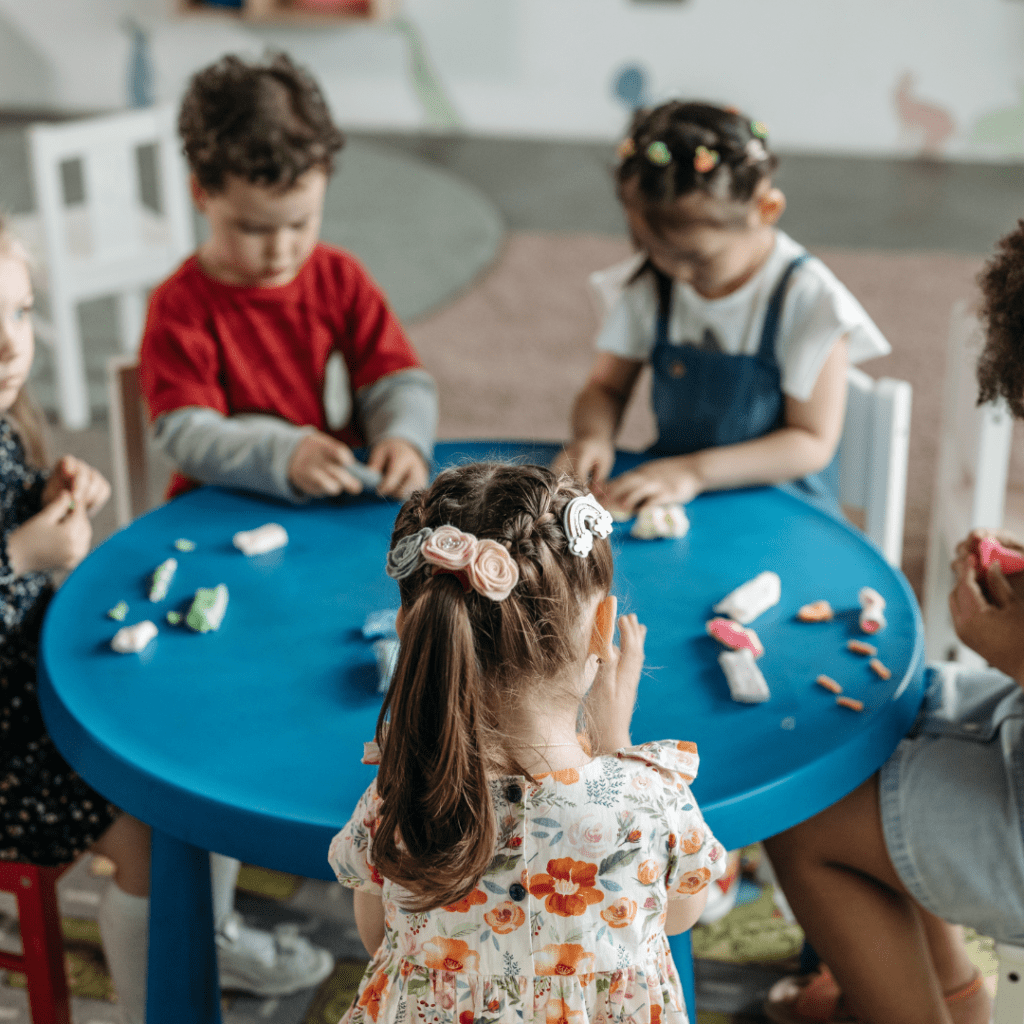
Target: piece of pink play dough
{"x": 735, "y": 636}
{"x": 990, "y": 550}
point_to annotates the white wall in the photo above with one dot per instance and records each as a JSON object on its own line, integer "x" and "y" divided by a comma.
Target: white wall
{"x": 820, "y": 73}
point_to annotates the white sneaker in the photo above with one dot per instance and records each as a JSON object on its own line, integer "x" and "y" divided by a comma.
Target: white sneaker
{"x": 275, "y": 963}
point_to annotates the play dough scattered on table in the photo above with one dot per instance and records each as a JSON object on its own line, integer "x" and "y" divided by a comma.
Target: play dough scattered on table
{"x": 746, "y": 683}
{"x": 183, "y": 544}
{"x": 879, "y": 669}
{"x": 174, "y": 618}
{"x": 851, "y": 703}
{"x": 862, "y": 647}
{"x": 132, "y": 639}
{"x": 208, "y": 607}
{"x": 872, "y": 617}
{"x": 816, "y": 611}
{"x": 119, "y": 611}
{"x": 734, "y": 636}
{"x": 829, "y": 683}
{"x": 660, "y": 521}
{"x": 162, "y": 576}
{"x": 755, "y": 596}
{"x": 264, "y": 538}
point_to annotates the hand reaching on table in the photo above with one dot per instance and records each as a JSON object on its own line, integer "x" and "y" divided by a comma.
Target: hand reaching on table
{"x": 318, "y": 467}
{"x": 56, "y": 538}
{"x": 658, "y": 482}
{"x": 400, "y": 465}
{"x": 587, "y": 459}
{"x": 87, "y": 486}
{"x": 612, "y": 696}
{"x": 989, "y": 621}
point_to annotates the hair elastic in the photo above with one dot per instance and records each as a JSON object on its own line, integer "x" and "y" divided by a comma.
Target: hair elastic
{"x": 759, "y": 128}
{"x": 583, "y": 520}
{"x": 705, "y": 160}
{"x": 627, "y": 148}
{"x": 658, "y": 153}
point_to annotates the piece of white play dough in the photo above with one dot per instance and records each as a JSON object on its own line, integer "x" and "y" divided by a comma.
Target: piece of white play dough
{"x": 132, "y": 639}
{"x": 658, "y": 521}
{"x": 746, "y": 683}
{"x": 261, "y": 540}
{"x": 755, "y": 596}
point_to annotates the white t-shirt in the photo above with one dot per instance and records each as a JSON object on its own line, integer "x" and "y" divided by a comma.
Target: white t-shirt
{"x": 817, "y": 311}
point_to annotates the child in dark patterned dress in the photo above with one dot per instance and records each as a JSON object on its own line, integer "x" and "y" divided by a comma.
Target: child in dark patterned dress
{"x": 48, "y": 814}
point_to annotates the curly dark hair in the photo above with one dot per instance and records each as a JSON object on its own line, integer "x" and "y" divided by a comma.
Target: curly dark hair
{"x": 740, "y": 145}
{"x": 1001, "y": 364}
{"x": 264, "y": 122}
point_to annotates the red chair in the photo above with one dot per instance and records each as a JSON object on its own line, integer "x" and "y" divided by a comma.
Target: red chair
{"x": 42, "y": 961}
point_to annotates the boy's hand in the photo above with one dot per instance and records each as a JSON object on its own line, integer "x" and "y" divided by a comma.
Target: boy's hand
{"x": 659, "y": 482}
{"x": 317, "y": 467}
{"x": 400, "y": 465}
{"x": 969, "y": 545}
{"x": 613, "y": 695}
{"x": 86, "y": 485}
{"x": 588, "y": 460}
{"x": 991, "y": 624}
{"x": 58, "y": 537}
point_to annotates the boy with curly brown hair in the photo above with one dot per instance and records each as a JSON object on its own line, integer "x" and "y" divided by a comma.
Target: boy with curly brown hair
{"x": 269, "y": 355}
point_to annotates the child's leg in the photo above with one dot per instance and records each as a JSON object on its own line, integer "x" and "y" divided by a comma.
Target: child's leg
{"x": 124, "y": 914}
{"x": 838, "y": 879}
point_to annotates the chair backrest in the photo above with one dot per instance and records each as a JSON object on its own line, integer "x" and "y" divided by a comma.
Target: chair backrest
{"x": 976, "y": 440}
{"x": 873, "y": 454}
{"x": 128, "y": 451}
{"x": 112, "y": 198}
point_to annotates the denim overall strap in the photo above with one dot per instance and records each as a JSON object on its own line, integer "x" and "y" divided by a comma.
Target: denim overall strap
{"x": 706, "y": 398}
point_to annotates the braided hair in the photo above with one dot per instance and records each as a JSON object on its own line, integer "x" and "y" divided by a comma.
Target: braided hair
{"x": 468, "y": 664}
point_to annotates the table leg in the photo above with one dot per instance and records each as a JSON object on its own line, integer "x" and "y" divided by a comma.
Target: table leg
{"x": 682, "y": 954}
{"x": 183, "y": 987}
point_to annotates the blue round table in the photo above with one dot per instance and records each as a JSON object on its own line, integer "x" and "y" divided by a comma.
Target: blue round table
{"x": 248, "y": 740}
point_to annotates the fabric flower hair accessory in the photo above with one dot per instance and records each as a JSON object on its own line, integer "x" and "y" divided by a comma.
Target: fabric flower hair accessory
{"x": 481, "y": 565}
{"x": 659, "y": 154}
{"x": 705, "y": 160}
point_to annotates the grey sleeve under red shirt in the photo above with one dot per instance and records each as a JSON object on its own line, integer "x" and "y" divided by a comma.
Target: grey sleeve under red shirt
{"x": 259, "y": 357}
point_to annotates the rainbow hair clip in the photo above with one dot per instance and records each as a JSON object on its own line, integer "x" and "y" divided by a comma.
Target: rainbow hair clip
{"x": 759, "y": 128}
{"x": 705, "y": 160}
{"x": 627, "y": 148}
{"x": 658, "y": 153}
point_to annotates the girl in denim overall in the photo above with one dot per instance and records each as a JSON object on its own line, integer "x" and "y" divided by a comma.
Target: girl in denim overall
{"x": 747, "y": 335}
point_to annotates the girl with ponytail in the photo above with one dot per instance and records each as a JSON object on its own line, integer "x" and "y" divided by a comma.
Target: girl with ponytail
{"x": 509, "y": 865}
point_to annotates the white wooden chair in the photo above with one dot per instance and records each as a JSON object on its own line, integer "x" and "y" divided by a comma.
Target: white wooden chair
{"x": 116, "y": 238}
{"x": 1009, "y": 1002}
{"x": 970, "y": 481}
{"x": 873, "y": 454}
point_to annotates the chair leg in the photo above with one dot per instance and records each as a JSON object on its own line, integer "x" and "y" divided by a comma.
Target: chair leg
{"x": 1009, "y": 1008}
{"x": 43, "y": 945}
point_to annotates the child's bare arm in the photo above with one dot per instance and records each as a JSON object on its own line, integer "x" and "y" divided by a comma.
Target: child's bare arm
{"x": 597, "y": 413}
{"x": 684, "y": 912}
{"x": 804, "y": 444}
{"x": 612, "y": 698}
{"x": 369, "y": 912}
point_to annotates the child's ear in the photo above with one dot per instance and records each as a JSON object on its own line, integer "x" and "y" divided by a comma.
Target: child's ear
{"x": 770, "y": 206}
{"x": 603, "y": 632}
{"x": 199, "y": 194}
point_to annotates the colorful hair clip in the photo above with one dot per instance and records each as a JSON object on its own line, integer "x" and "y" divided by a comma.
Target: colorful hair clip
{"x": 583, "y": 519}
{"x": 705, "y": 160}
{"x": 759, "y": 128}
{"x": 755, "y": 151}
{"x": 658, "y": 153}
{"x": 627, "y": 148}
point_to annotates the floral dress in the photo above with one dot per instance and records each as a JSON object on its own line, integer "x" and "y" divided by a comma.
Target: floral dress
{"x": 48, "y": 815}
{"x": 567, "y": 924}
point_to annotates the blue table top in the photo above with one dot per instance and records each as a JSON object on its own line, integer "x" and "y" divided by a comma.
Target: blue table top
{"x": 247, "y": 740}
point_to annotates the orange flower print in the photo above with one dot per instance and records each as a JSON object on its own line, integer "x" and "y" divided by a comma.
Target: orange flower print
{"x": 466, "y": 1017}
{"x": 441, "y": 954}
{"x": 568, "y": 886}
{"x": 558, "y": 1012}
{"x": 648, "y": 873}
{"x": 620, "y": 913}
{"x": 692, "y": 841}
{"x": 494, "y": 1006}
{"x": 375, "y": 875}
{"x": 505, "y": 917}
{"x": 373, "y": 993}
{"x": 671, "y": 840}
{"x": 474, "y": 899}
{"x": 563, "y": 959}
{"x": 686, "y": 747}
{"x": 694, "y": 881}
{"x": 634, "y": 836}
{"x": 655, "y": 1013}
{"x": 566, "y": 776}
